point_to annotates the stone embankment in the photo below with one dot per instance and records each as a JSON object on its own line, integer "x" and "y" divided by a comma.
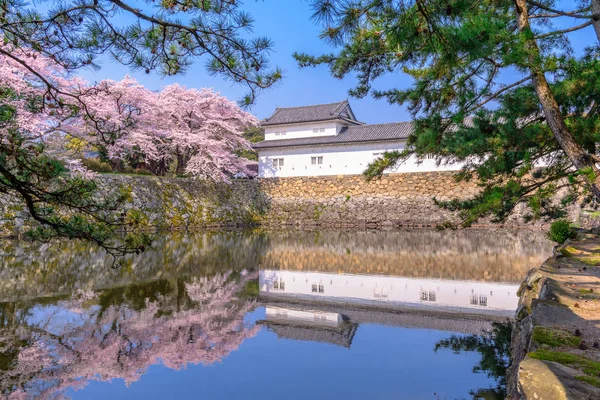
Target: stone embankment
{"x": 169, "y": 204}
{"x": 349, "y": 201}
{"x": 395, "y": 200}
{"x": 555, "y": 343}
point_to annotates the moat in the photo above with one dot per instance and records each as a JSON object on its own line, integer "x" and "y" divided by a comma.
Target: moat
{"x": 414, "y": 314}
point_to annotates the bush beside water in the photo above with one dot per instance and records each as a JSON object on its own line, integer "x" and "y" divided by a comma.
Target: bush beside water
{"x": 560, "y": 231}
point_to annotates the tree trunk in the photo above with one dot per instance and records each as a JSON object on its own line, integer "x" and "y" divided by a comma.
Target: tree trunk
{"x": 596, "y": 17}
{"x": 180, "y": 163}
{"x": 580, "y": 158}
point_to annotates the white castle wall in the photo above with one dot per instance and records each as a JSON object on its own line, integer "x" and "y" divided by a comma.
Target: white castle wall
{"x": 343, "y": 159}
{"x": 302, "y": 130}
{"x": 391, "y": 290}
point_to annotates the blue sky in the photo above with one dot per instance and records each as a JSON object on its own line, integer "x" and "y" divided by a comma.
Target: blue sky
{"x": 288, "y": 24}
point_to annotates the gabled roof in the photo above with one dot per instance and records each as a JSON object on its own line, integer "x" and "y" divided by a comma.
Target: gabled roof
{"x": 319, "y": 112}
{"x": 341, "y": 336}
{"x": 350, "y": 134}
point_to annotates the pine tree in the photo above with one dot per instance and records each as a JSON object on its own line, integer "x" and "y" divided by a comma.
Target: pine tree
{"x": 496, "y": 85}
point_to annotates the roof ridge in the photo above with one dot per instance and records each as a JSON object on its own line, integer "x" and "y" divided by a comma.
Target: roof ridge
{"x": 272, "y": 115}
{"x": 340, "y": 107}
{"x": 314, "y": 105}
{"x": 383, "y": 123}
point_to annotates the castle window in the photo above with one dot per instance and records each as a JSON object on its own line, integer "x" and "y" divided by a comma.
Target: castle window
{"x": 479, "y": 300}
{"x": 279, "y": 284}
{"x": 277, "y": 162}
{"x": 316, "y": 160}
{"x": 428, "y": 295}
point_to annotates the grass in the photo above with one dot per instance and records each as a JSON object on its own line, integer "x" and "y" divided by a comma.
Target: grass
{"x": 586, "y": 291}
{"x": 585, "y": 257}
{"x": 554, "y": 337}
{"x": 588, "y": 366}
{"x": 590, "y": 380}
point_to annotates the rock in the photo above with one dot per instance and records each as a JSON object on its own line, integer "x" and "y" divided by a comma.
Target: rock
{"x": 546, "y": 380}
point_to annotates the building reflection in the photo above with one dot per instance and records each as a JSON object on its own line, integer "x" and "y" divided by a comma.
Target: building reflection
{"x": 323, "y": 288}
{"x": 390, "y": 292}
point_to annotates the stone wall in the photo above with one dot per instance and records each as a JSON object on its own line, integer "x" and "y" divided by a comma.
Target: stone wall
{"x": 396, "y": 200}
{"x": 166, "y": 203}
{"x": 556, "y": 333}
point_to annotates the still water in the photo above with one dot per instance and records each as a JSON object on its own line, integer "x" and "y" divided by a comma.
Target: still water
{"x": 265, "y": 315}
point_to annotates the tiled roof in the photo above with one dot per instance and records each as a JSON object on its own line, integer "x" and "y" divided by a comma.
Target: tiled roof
{"x": 381, "y": 313}
{"x": 351, "y": 134}
{"x": 340, "y": 336}
{"x": 320, "y": 112}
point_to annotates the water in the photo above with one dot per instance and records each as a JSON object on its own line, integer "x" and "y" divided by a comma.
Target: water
{"x": 282, "y": 314}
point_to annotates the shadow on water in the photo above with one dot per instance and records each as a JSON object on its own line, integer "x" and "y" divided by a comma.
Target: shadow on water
{"x": 66, "y": 321}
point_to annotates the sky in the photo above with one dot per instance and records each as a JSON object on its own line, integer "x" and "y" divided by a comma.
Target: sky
{"x": 288, "y": 23}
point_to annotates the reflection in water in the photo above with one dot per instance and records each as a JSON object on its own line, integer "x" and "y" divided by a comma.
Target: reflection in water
{"x": 494, "y": 348}
{"x": 66, "y": 320}
{"x": 109, "y": 335}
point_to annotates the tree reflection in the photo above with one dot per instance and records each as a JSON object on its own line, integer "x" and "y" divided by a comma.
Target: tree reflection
{"x": 494, "y": 348}
{"x": 119, "y": 333}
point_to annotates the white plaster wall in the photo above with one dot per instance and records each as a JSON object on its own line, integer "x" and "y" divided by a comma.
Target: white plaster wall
{"x": 390, "y": 290}
{"x": 313, "y": 316}
{"x": 347, "y": 159}
{"x": 302, "y": 131}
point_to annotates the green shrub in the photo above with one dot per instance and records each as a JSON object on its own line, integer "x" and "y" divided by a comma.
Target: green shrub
{"x": 94, "y": 164}
{"x": 141, "y": 171}
{"x": 560, "y": 231}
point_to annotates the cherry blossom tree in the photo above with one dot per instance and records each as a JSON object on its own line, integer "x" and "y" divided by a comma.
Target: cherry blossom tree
{"x": 197, "y": 130}
{"x": 58, "y": 193}
{"x": 41, "y": 38}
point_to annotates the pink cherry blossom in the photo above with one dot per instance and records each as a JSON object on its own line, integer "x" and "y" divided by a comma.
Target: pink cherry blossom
{"x": 198, "y": 130}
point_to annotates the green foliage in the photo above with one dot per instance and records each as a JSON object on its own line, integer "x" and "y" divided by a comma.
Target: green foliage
{"x": 560, "y": 231}
{"x": 254, "y": 134}
{"x": 179, "y": 33}
{"x": 554, "y": 337}
{"x": 584, "y": 364}
{"x": 94, "y": 164}
{"x": 64, "y": 204}
{"x": 590, "y": 380}
{"x": 247, "y": 154}
{"x": 142, "y": 171}
{"x": 250, "y": 290}
{"x": 471, "y": 93}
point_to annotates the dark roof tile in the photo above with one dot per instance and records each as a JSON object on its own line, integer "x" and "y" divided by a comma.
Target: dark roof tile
{"x": 319, "y": 112}
{"x": 351, "y": 134}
